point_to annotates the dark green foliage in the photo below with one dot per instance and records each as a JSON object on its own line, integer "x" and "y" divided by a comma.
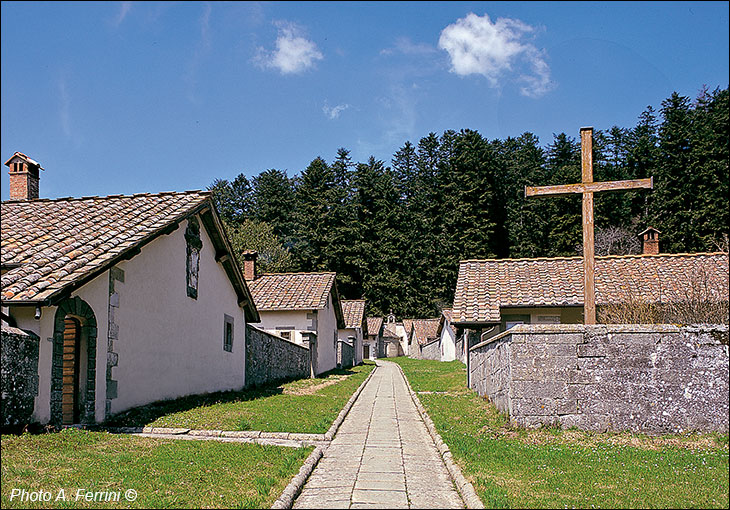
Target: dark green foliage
{"x": 395, "y": 236}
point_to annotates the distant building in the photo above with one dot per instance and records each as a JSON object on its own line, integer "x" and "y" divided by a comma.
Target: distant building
{"x": 424, "y": 339}
{"x": 301, "y": 307}
{"x": 356, "y": 327}
{"x": 373, "y": 343}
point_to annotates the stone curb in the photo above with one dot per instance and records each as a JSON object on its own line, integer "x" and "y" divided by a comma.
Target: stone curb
{"x": 330, "y": 434}
{"x": 463, "y": 486}
{"x": 292, "y": 490}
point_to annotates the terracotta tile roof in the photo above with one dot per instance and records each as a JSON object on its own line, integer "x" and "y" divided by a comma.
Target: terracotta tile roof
{"x": 353, "y": 311}
{"x": 483, "y": 286}
{"x": 374, "y": 325}
{"x": 292, "y": 291}
{"x": 408, "y": 325}
{"x": 49, "y": 245}
{"x": 425, "y": 330}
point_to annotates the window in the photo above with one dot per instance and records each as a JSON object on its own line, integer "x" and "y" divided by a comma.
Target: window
{"x": 194, "y": 245}
{"x": 227, "y": 333}
{"x": 510, "y": 321}
{"x": 285, "y": 334}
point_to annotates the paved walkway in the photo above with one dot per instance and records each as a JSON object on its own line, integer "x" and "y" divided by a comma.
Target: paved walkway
{"x": 382, "y": 455}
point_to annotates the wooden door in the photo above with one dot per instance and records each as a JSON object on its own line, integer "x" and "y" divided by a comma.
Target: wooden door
{"x": 70, "y": 389}
{"x": 365, "y": 352}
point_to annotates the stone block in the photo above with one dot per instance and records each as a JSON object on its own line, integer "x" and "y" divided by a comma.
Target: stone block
{"x": 111, "y": 389}
{"x": 539, "y": 389}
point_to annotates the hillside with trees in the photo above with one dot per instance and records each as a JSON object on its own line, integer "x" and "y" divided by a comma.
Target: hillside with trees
{"x": 395, "y": 233}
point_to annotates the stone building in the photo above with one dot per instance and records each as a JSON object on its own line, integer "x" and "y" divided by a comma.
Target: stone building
{"x": 356, "y": 327}
{"x": 133, "y": 298}
{"x": 301, "y": 307}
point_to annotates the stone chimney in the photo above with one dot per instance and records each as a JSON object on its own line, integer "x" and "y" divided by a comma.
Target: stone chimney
{"x": 249, "y": 264}
{"x": 650, "y": 240}
{"x": 24, "y": 177}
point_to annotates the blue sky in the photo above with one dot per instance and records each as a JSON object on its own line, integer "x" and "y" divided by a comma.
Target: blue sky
{"x": 128, "y": 97}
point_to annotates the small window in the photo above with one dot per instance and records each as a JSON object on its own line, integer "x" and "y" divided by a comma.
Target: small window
{"x": 227, "y": 333}
{"x": 285, "y": 334}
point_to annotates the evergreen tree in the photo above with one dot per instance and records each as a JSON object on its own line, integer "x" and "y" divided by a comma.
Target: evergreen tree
{"x": 232, "y": 199}
{"x": 563, "y": 213}
{"x": 273, "y": 203}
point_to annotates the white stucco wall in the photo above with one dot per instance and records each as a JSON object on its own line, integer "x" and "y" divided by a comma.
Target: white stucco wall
{"x": 327, "y": 337}
{"x": 448, "y": 344}
{"x": 169, "y": 344}
{"x": 296, "y": 321}
{"x": 401, "y": 332}
{"x": 345, "y": 333}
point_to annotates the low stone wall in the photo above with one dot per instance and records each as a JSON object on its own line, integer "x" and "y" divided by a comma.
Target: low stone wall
{"x": 648, "y": 378}
{"x": 270, "y": 358}
{"x": 18, "y": 376}
{"x": 428, "y": 351}
{"x": 345, "y": 354}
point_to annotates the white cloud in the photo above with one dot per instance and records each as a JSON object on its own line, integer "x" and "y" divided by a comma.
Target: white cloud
{"x": 407, "y": 47}
{"x": 293, "y": 54}
{"x": 494, "y": 50}
{"x": 333, "y": 112}
{"x": 124, "y": 8}
{"x": 201, "y": 51}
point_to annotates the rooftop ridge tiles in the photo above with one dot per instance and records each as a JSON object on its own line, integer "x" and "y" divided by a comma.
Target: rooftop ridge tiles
{"x": 603, "y": 257}
{"x": 93, "y": 197}
{"x": 298, "y": 272}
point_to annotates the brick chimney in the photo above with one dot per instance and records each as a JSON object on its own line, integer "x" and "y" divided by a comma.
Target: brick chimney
{"x": 249, "y": 264}
{"x": 24, "y": 177}
{"x": 650, "y": 240}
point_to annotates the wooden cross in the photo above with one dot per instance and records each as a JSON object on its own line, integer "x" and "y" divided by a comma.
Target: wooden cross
{"x": 587, "y": 188}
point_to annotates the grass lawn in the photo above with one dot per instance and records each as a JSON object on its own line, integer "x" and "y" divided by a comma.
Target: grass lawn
{"x": 165, "y": 473}
{"x": 551, "y": 468}
{"x": 304, "y": 405}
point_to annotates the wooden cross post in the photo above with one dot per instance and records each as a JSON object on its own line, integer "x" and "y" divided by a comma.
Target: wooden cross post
{"x": 587, "y": 188}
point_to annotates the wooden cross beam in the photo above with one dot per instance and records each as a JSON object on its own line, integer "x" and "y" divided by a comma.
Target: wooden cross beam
{"x": 587, "y": 188}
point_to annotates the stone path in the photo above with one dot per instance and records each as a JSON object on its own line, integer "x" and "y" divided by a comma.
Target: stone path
{"x": 382, "y": 455}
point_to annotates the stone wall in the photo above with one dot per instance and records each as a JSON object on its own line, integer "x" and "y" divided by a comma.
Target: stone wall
{"x": 18, "y": 375}
{"x": 459, "y": 347}
{"x": 345, "y": 354}
{"x": 428, "y": 351}
{"x": 649, "y": 378}
{"x": 270, "y": 358}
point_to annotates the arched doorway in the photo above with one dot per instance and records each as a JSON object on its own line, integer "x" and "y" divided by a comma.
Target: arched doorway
{"x": 73, "y": 371}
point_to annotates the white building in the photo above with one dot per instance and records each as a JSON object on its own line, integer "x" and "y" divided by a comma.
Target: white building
{"x": 134, "y": 298}
{"x": 301, "y": 307}
{"x": 356, "y": 326}
{"x": 447, "y": 336}
{"x": 373, "y": 343}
